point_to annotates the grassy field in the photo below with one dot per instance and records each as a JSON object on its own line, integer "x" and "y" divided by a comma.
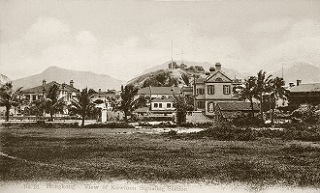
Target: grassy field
{"x": 100, "y": 154}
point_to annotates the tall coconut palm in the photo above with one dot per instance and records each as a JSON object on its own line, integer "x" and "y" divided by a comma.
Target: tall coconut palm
{"x": 247, "y": 91}
{"x": 127, "y": 100}
{"x": 278, "y": 91}
{"x": 264, "y": 85}
{"x": 83, "y": 104}
{"x": 9, "y": 97}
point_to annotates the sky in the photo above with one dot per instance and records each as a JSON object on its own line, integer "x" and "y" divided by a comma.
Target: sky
{"x": 123, "y": 38}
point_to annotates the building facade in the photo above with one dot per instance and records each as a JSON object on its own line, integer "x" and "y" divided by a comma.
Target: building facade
{"x": 67, "y": 92}
{"x": 216, "y": 87}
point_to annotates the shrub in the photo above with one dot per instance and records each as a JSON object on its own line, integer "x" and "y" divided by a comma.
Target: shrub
{"x": 109, "y": 125}
{"x": 172, "y": 133}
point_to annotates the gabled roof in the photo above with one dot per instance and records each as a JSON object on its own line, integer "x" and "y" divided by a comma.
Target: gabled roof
{"x": 159, "y": 91}
{"x": 215, "y": 73}
{"x": 46, "y": 87}
{"x": 315, "y": 87}
{"x": 237, "y": 106}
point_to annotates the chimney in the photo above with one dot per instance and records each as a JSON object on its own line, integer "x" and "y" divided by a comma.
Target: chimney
{"x": 218, "y": 66}
{"x": 99, "y": 92}
{"x": 71, "y": 83}
{"x": 291, "y": 84}
{"x": 212, "y": 69}
{"x": 44, "y": 82}
{"x": 298, "y": 82}
{"x": 63, "y": 85}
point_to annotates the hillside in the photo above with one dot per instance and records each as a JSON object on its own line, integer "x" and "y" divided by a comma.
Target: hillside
{"x": 306, "y": 72}
{"x": 206, "y": 65}
{"x": 4, "y": 79}
{"x": 176, "y": 73}
{"x": 81, "y": 79}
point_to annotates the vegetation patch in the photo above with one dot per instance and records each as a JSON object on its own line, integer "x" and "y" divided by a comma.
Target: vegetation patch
{"x": 109, "y": 125}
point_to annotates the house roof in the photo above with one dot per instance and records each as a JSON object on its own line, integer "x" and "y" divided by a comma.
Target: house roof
{"x": 46, "y": 87}
{"x": 315, "y": 87}
{"x": 200, "y": 80}
{"x": 230, "y": 114}
{"x": 170, "y": 99}
{"x": 215, "y": 73}
{"x": 159, "y": 90}
{"x": 142, "y": 110}
{"x": 237, "y": 106}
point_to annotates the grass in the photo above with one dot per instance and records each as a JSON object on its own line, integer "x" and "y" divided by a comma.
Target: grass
{"x": 99, "y": 154}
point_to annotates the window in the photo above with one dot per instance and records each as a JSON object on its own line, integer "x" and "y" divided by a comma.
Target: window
{"x": 210, "y": 107}
{"x": 218, "y": 79}
{"x": 168, "y": 105}
{"x": 226, "y": 89}
{"x": 210, "y": 89}
{"x": 155, "y": 105}
{"x": 160, "y": 105}
{"x": 200, "y": 91}
{"x": 201, "y": 104}
{"x": 34, "y": 97}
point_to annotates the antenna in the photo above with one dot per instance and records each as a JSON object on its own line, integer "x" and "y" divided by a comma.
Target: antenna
{"x": 282, "y": 71}
{"x": 172, "y": 52}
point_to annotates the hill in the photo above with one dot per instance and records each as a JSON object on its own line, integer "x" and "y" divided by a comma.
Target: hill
{"x": 81, "y": 79}
{"x": 176, "y": 73}
{"x": 206, "y": 65}
{"x": 4, "y": 79}
{"x": 301, "y": 70}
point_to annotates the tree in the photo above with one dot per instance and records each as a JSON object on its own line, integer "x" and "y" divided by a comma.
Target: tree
{"x": 51, "y": 104}
{"x": 183, "y": 105}
{"x": 278, "y": 91}
{"x": 264, "y": 85}
{"x": 127, "y": 104}
{"x": 9, "y": 97}
{"x": 247, "y": 91}
{"x": 185, "y": 79}
{"x": 82, "y": 104}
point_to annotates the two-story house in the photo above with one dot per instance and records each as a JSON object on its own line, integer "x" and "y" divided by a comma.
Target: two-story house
{"x": 67, "y": 92}
{"x": 160, "y": 102}
{"x": 216, "y": 87}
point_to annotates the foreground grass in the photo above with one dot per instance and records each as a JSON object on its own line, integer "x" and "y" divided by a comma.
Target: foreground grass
{"x": 98, "y": 154}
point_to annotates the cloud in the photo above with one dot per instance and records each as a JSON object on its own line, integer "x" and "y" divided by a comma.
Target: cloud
{"x": 300, "y": 44}
{"x": 271, "y": 26}
{"x": 47, "y": 30}
{"x": 86, "y": 38}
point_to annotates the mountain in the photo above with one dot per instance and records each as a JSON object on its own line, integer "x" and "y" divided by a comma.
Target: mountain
{"x": 206, "y": 65}
{"x": 301, "y": 70}
{"x": 4, "y": 79}
{"x": 81, "y": 79}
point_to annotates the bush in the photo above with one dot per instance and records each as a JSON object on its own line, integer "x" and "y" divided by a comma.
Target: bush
{"x": 42, "y": 124}
{"x": 198, "y": 125}
{"x": 172, "y": 133}
{"x": 109, "y": 125}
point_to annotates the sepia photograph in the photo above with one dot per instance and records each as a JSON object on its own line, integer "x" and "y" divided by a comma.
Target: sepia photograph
{"x": 150, "y": 96}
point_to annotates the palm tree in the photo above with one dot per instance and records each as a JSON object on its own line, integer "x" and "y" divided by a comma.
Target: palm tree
{"x": 51, "y": 103}
{"x": 9, "y": 98}
{"x": 128, "y": 103}
{"x": 264, "y": 85}
{"x": 278, "y": 91}
{"x": 83, "y": 104}
{"x": 247, "y": 91}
